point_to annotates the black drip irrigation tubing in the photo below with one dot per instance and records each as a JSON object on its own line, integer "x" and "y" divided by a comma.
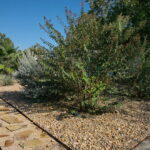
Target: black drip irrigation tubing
{"x": 37, "y": 125}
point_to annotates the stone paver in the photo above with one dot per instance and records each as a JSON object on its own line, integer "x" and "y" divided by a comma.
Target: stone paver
{"x": 2, "y": 113}
{"x": 3, "y": 131}
{"x": 44, "y": 135}
{"x": 11, "y": 119}
{"x": 3, "y": 135}
{"x": 3, "y": 108}
{"x": 31, "y": 143}
{"x": 24, "y": 135}
{"x": 9, "y": 143}
{"x": 18, "y": 133}
{"x": 15, "y": 127}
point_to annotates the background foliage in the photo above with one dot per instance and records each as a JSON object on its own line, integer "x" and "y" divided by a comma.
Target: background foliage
{"x": 8, "y": 55}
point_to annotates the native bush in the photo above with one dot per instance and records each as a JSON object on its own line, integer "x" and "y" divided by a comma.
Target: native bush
{"x": 133, "y": 67}
{"x": 6, "y": 80}
{"x": 142, "y": 82}
{"x": 29, "y": 71}
{"x": 84, "y": 89}
{"x": 94, "y": 56}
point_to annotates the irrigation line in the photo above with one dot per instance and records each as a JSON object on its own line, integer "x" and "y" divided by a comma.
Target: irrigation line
{"x": 37, "y": 125}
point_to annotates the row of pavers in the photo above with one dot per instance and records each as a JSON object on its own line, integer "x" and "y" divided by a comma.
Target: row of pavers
{"x": 18, "y": 133}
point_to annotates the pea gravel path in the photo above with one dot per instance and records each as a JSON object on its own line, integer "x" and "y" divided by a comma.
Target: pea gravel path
{"x": 111, "y": 131}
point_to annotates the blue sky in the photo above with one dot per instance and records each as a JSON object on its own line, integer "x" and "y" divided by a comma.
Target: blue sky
{"x": 19, "y": 19}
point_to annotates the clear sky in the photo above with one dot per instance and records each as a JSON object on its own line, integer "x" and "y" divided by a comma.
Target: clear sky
{"x": 19, "y": 19}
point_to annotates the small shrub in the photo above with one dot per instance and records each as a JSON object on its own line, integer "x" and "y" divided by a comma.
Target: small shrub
{"x": 29, "y": 73}
{"x": 6, "y": 80}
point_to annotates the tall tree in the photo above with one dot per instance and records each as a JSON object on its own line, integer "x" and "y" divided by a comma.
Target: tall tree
{"x": 7, "y": 54}
{"x": 137, "y": 10}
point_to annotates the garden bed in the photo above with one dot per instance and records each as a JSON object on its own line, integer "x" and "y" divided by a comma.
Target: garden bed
{"x": 121, "y": 130}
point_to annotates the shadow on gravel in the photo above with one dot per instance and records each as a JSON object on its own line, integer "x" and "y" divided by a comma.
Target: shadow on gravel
{"x": 24, "y": 104}
{"x": 31, "y": 106}
{"x": 137, "y": 109}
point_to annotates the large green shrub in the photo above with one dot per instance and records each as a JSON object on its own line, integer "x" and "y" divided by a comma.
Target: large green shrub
{"x": 49, "y": 77}
{"x": 94, "y": 55}
{"x": 134, "y": 69}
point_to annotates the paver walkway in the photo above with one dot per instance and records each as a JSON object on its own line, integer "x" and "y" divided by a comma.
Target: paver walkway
{"x": 18, "y": 133}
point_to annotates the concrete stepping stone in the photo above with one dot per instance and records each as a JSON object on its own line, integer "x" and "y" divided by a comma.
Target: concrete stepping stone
{"x": 3, "y": 135}
{"x": 3, "y": 113}
{"x": 31, "y": 143}
{"x": 3, "y": 108}
{"x": 57, "y": 147}
{"x": 11, "y": 119}
{"x": 44, "y": 135}
{"x": 4, "y": 131}
{"x": 15, "y": 127}
{"x": 24, "y": 135}
{"x": 9, "y": 143}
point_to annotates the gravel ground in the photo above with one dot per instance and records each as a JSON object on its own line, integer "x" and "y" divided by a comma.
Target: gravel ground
{"x": 109, "y": 131}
